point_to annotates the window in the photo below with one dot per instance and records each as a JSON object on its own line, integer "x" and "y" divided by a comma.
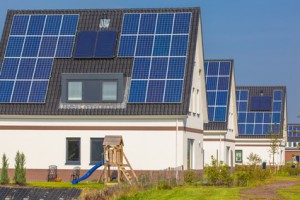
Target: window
{"x": 96, "y": 150}
{"x": 238, "y": 156}
{"x": 92, "y": 88}
{"x": 75, "y": 91}
{"x": 109, "y": 90}
{"x": 73, "y": 151}
{"x": 104, "y": 23}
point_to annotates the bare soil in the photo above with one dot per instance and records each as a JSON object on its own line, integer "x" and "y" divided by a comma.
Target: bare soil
{"x": 267, "y": 191}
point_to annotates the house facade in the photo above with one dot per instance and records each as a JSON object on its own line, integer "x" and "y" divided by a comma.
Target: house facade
{"x": 71, "y": 77}
{"x": 292, "y": 153}
{"x": 262, "y": 124}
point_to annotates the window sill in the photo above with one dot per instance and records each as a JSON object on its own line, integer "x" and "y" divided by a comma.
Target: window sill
{"x": 72, "y": 163}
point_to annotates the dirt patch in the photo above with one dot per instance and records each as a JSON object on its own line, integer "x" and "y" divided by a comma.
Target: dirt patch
{"x": 266, "y": 191}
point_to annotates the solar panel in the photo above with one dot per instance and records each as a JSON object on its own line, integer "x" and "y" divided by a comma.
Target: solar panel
{"x": 105, "y": 46}
{"x": 158, "y": 42}
{"x": 261, "y": 103}
{"x": 217, "y": 74}
{"x": 293, "y": 130}
{"x": 264, "y": 113}
{"x": 33, "y": 43}
{"x": 85, "y": 46}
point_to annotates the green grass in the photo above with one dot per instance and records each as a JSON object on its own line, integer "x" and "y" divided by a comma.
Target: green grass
{"x": 292, "y": 192}
{"x": 187, "y": 192}
{"x": 92, "y": 185}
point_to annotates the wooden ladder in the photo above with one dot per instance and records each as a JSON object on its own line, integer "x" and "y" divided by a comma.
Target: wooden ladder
{"x": 131, "y": 179}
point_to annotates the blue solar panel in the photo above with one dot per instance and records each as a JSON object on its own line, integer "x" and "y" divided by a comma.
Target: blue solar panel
{"x": 9, "y": 68}
{"x": 38, "y": 91}
{"x": 14, "y": 47}
{"x": 52, "y": 25}
{"x": 26, "y": 70}
{"x": 162, "y": 45}
{"x": 19, "y": 25}
{"x": 293, "y": 130}
{"x": 164, "y": 23}
{"x": 130, "y": 23}
{"x": 223, "y": 83}
{"x": 137, "y": 91}
{"x": 182, "y": 23}
{"x": 21, "y": 91}
{"x": 141, "y": 68}
{"x": 217, "y": 89}
{"x": 43, "y": 68}
{"x": 31, "y": 47}
{"x": 258, "y": 121}
{"x": 147, "y": 24}
{"x": 105, "y": 46}
{"x": 173, "y": 91}
{"x": 6, "y": 88}
{"x": 179, "y": 45}
{"x": 64, "y": 47}
{"x": 261, "y": 103}
{"x": 159, "y": 68}
{"x": 144, "y": 46}
{"x": 36, "y": 25}
{"x": 69, "y": 25}
{"x": 158, "y": 43}
{"x": 155, "y": 91}
{"x": 176, "y": 68}
{"x": 85, "y": 46}
{"x": 48, "y": 47}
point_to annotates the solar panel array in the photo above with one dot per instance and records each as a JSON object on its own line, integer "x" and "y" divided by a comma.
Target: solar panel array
{"x": 159, "y": 43}
{"x": 217, "y": 76}
{"x": 33, "y": 43}
{"x": 95, "y": 44}
{"x": 294, "y": 130}
{"x": 258, "y": 122}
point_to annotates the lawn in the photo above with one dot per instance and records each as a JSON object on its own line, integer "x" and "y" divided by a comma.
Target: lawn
{"x": 92, "y": 185}
{"x": 290, "y": 192}
{"x": 188, "y": 192}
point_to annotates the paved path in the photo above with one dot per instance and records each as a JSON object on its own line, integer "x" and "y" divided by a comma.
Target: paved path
{"x": 266, "y": 191}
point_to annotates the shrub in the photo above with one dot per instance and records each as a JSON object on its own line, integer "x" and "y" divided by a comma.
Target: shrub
{"x": 4, "y": 179}
{"x": 189, "y": 176}
{"x": 20, "y": 171}
{"x": 242, "y": 178}
{"x": 164, "y": 186}
{"x": 218, "y": 175}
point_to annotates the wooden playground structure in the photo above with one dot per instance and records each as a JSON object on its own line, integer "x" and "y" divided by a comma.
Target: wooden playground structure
{"x": 114, "y": 157}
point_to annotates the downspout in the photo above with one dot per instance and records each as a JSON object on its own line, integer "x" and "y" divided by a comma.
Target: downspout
{"x": 176, "y": 149}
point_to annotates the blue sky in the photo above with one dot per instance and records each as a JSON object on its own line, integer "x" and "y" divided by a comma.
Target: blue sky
{"x": 262, "y": 36}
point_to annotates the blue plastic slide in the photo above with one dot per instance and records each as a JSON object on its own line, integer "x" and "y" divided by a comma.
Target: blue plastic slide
{"x": 99, "y": 164}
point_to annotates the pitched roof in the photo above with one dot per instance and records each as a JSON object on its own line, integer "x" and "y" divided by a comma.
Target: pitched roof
{"x": 214, "y": 124}
{"x": 265, "y": 91}
{"x": 89, "y": 20}
{"x": 113, "y": 140}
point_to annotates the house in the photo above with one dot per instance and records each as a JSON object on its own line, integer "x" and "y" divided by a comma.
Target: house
{"x": 262, "y": 123}
{"x": 293, "y": 139}
{"x": 220, "y": 131}
{"x": 71, "y": 77}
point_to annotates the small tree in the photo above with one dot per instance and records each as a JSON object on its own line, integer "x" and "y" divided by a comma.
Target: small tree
{"x": 20, "y": 171}
{"x": 274, "y": 141}
{"x": 4, "y": 179}
{"x": 254, "y": 159}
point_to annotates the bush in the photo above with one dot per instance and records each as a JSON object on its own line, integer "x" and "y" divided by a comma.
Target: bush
{"x": 218, "y": 175}
{"x": 4, "y": 179}
{"x": 189, "y": 176}
{"x": 20, "y": 171}
{"x": 164, "y": 186}
{"x": 242, "y": 178}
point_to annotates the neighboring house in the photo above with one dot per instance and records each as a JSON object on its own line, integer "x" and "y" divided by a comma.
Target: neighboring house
{"x": 261, "y": 112}
{"x": 219, "y": 133}
{"x": 292, "y": 150}
{"x": 70, "y": 77}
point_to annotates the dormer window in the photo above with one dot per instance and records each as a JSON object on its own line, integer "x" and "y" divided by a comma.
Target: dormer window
{"x": 75, "y": 91}
{"x": 104, "y": 23}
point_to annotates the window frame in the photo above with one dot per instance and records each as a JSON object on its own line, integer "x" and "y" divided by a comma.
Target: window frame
{"x": 70, "y": 162}
{"x": 93, "y": 162}
{"x": 102, "y": 89}
{"x": 90, "y": 84}
{"x": 68, "y": 87}
{"x": 240, "y": 152}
